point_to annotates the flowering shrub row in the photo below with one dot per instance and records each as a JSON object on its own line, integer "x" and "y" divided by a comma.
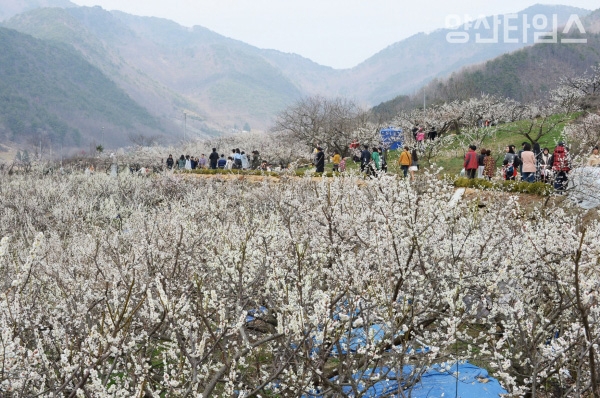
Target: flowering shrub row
{"x": 172, "y": 286}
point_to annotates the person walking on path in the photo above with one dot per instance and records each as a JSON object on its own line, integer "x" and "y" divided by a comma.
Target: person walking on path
{"x": 561, "y": 167}
{"x": 320, "y": 160}
{"x": 414, "y": 164}
{"x": 170, "y": 162}
{"x": 510, "y": 170}
{"x": 181, "y": 163}
{"x": 404, "y": 161}
{"x": 245, "y": 161}
{"x": 376, "y": 162}
{"x": 480, "y": 161}
{"x": 202, "y": 162}
{"x": 420, "y": 137}
{"x": 383, "y": 156}
{"x": 237, "y": 159}
{"x": 255, "y": 160}
{"x": 489, "y": 162}
{"x": 213, "y": 158}
{"x": 365, "y": 158}
{"x": 529, "y": 164}
{"x": 222, "y": 162}
{"x": 471, "y": 164}
{"x": 336, "y": 161}
{"x": 545, "y": 160}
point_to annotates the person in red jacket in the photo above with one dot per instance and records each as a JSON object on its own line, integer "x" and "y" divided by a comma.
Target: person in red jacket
{"x": 561, "y": 165}
{"x": 471, "y": 164}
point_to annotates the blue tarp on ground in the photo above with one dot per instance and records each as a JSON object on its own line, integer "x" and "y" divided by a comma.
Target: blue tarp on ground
{"x": 358, "y": 338}
{"x": 472, "y": 382}
{"x": 251, "y": 315}
{"x": 392, "y": 138}
{"x": 468, "y": 381}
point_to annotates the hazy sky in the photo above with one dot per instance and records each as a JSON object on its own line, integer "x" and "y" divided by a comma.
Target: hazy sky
{"x": 337, "y": 33}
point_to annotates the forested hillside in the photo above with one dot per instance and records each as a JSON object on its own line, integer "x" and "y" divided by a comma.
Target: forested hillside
{"x": 524, "y": 75}
{"x": 169, "y": 68}
{"x": 49, "y": 92}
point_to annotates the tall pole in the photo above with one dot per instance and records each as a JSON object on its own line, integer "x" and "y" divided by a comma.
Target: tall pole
{"x": 423, "y": 100}
{"x": 102, "y": 138}
{"x": 184, "y": 124}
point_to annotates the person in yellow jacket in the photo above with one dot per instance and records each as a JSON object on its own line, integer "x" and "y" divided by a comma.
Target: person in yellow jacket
{"x": 405, "y": 160}
{"x": 336, "y": 161}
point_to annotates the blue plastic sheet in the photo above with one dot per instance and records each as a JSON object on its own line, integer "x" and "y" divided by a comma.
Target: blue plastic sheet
{"x": 451, "y": 381}
{"x": 470, "y": 382}
{"x": 251, "y": 315}
{"x": 358, "y": 338}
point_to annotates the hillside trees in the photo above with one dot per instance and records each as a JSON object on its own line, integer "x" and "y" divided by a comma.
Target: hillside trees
{"x": 578, "y": 93}
{"x": 584, "y": 133}
{"x": 468, "y": 117}
{"x": 48, "y": 88}
{"x": 330, "y": 123}
{"x": 539, "y": 120}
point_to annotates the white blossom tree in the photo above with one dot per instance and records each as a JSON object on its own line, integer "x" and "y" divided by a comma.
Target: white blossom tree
{"x": 175, "y": 286}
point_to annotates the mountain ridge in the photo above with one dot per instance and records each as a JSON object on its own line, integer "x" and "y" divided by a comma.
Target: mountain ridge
{"x": 172, "y": 70}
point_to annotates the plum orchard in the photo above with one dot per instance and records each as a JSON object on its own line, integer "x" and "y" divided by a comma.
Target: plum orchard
{"x": 136, "y": 286}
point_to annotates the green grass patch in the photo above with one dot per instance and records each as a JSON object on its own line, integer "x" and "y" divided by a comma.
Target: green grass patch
{"x": 507, "y": 134}
{"x": 533, "y": 188}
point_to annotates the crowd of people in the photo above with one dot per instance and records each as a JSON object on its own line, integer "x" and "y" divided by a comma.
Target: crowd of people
{"x": 532, "y": 163}
{"x": 372, "y": 160}
{"x": 236, "y": 160}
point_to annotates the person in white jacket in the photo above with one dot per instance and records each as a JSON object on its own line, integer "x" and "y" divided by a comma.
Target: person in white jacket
{"x": 245, "y": 162}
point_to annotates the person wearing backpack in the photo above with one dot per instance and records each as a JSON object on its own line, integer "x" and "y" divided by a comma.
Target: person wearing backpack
{"x": 375, "y": 164}
{"x": 561, "y": 167}
{"x": 365, "y": 159}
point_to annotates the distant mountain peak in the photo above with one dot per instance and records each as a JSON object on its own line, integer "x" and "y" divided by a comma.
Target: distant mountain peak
{"x": 10, "y": 8}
